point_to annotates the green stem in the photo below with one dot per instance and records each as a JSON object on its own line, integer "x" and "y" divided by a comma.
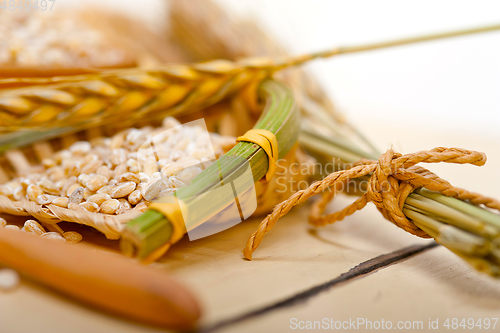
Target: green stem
{"x": 450, "y": 215}
{"x": 464, "y": 207}
{"x": 151, "y": 230}
{"x": 391, "y": 43}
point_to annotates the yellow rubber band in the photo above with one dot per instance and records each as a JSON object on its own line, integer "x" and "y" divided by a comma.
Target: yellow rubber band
{"x": 267, "y": 141}
{"x": 173, "y": 212}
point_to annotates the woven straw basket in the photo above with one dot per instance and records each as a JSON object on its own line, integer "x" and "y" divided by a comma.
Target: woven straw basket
{"x": 191, "y": 38}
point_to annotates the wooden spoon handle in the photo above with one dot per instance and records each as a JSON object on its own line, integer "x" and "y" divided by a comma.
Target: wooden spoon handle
{"x": 106, "y": 280}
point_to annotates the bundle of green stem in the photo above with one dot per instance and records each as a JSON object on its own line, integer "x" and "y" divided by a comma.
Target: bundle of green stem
{"x": 69, "y": 103}
{"x": 466, "y": 229}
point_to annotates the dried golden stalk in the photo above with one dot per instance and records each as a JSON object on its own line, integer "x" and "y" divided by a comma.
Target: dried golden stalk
{"x": 207, "y": 31}
{"x": 61, "y": 104}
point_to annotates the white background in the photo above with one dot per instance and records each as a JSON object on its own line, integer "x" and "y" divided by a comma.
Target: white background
{"x": 455, "y": 82}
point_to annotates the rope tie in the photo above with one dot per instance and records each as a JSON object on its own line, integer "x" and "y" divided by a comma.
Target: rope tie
{"x": 393, "y": 177}
{"x": 267, "y": 141}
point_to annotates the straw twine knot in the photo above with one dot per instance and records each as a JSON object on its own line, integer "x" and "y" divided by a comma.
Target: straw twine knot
{"x": 392, "y": 178}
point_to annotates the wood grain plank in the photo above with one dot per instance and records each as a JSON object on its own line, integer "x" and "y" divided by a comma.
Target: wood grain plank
{"x": 292, "y": 258}
{"x": 435, "y": 284}
{"x": 367, "y": 267}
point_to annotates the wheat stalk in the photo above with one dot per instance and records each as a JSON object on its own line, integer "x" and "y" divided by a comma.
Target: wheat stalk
{"x": 207, "y": 31}
{"x": 62, "y": 104}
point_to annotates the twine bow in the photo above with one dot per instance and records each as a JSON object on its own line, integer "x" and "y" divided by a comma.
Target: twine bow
{"x": 393, "y": 177}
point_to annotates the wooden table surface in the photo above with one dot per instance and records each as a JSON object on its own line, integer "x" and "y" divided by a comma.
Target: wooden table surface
{"x": 306, "y": 273}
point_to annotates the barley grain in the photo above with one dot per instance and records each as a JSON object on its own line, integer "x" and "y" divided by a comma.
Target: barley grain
{"x": 87, "y": 193}
{"x": 116, "y": 142}
{"x": 118, "y": 156}
{"x": 99, "y": 198}
{"x": 19, "y": 193}
{"x": 5, "y": 190}
{"x": 143, "y": 177}
{"x": 56, "y": 173}
{"x": 132, "y": 165}
{"x": 129, "y": 177}
{"x": 71, "y": 168}
{"x": 94, "y": 183}
{"x": 76, "y": 196}
{"x": 123, "y": 190}
{"x": 32, "y": 192}
{"x": 80, "y": 148}
{"x": 48, "y": 163}
{"x": 124, "y": 206}
{"x": 67, "y": 184}
{"x": 62, "y": 155}
{"x": 186, "y": 175}
{"x": 12, "y": 227}
{"x": 26, "y": 182}
{"x": 90, "y": 206}
{"x": 72, "y": 237}
{"x": 53, "y": 235}
{"x": 135, "y": 138}
{"x": 71, "y": 189}
{"x": 61, "y": 202}
{"x": 3, "y": 222}
{"x": 170, "y": 122}
{"x": 82, "y": 179}
{"x": 45, "y": 199}
{"x": 49, "y": 187}
{"x": 141, "y": 207}
{"x": 153, "y": 189}
{"x": 176, "y": 182}
{"x": 166, "y": 191}
{"x": 34, "y": 227}
{"x": 108, "y": 189}
{"x": 135, "y": 197}
{"x": 89, "y": 157}
{"x": 120, "y": 170}
{"x": 59, "y": 184}
{"x": 150, "y": 166}
{"x": 110, "y": 206}
{"x": 171, "y": 169}
{"x": 141, "y": 187}
{"x": 76, "y": 207}
{"x": 104, "y": 171}
{"x": 92, "y": 165}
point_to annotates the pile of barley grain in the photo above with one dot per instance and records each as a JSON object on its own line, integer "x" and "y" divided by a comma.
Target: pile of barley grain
{"x": 115, "y": 175}
{"x": 38, "y": 39}
{"x": 34, "y": 227}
